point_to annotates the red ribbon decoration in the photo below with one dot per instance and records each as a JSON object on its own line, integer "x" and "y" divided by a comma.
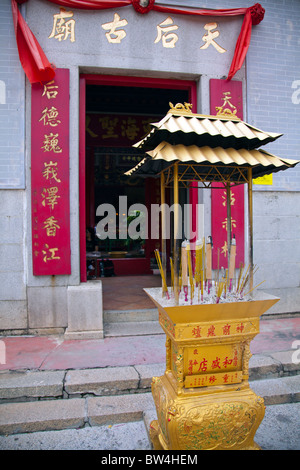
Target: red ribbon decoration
{"x": 38, "y": 69}
{"x": 140, "y": 9}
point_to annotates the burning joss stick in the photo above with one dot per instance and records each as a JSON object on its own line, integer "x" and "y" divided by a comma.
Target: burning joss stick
{"x": 197, "y": 263}
{"x": 165, "y": 288}
{"x": 226, "y": 283}
{"x": 184, "y": 267}
{"x": 190, "y": 270}
{"x": 172, "y": 274}
{"x": 231, "y": 265}
{"x": 244, "y": 281}
{"x": 255, "y": 287}
{"x": 208, "y": 263}
{"x": 240, "y": 276}
{"x": 198, "y": 270}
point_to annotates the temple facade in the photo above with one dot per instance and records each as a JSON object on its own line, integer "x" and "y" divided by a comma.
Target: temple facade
{"x": 68, "y": 133}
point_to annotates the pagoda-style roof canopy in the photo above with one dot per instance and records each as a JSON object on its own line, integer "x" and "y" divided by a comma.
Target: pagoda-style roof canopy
{"x": 208, "y": 164}
{"x": 207, "y": 148}
{"x": 181, "y": 126}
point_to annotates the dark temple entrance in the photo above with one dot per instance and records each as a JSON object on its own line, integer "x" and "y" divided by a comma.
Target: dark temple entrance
{"x": 118, "y": 111}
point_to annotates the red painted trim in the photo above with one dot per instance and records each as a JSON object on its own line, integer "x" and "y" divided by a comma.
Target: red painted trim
{"x": 118, "y": 80}
{"x": 193, "y": 190}
{"x": 82, "y": 209}
{"x": 193, "y": 197}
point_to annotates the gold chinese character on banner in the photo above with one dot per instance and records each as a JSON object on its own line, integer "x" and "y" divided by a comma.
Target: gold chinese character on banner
{"x": 50, "y": 90}
{"x": 115, "y": 35}
{"x": 50, "y": 254}
{"x": 209, "y": 38}
{"x": 50, "y": 196}
{"x": 164, "y": 33}
{"x": 232, "y": 199}
{"x": 50, "y": 171}
{"x": 63, "y": 29}
{"x": 49, "y": 116}
{"x": 51, "y": 143}
{"x": 224, "y": 249}
{"x": 51, "y": 225}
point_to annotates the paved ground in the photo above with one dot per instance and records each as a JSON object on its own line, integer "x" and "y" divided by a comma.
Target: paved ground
{"x": 278, "y": 431}
{"x": 54, "y": 353}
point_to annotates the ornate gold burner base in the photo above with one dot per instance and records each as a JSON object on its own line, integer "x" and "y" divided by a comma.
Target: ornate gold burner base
{"x": 203, "y": 401}
{"x": 225, "y": 420}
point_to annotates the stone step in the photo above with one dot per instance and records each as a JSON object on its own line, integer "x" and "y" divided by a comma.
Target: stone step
{"x": 76, "y": 413}
{"x": 38, "y": 385}
{"x": 116, "y": 316}
{"x": 279, "y": 430}
{"x": 132, "y": 328}
{"x": 278, "y": 391}
{"x": 46, "y": 415}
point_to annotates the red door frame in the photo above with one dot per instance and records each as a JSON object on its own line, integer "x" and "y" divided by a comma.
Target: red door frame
{"x": 118, "y": 80}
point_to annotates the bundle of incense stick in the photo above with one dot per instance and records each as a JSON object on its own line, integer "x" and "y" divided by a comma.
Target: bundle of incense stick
{"x": 244, "y": 279}
{"x": 159, "y": 264}
{"x": 228, "y": 288}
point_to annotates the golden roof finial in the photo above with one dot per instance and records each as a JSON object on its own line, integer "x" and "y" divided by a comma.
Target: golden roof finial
{"x": 185, "y": 107}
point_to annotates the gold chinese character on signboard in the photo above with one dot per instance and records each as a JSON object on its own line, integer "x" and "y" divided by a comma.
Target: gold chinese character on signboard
{"x": 63, "y": 29}
{"x": 109, "y": 124}
{"x": 209, "y": 38}
{"x": 50, "y": 254}
{"x": 87, "y": 128}
{"x": 129, "y": 128}
{"x": 51, "y": 225}
{"x": 50, "y": 171}
{"x": 164, "y": 33}
{"x": 49, "y": 116}
{"x": 222, "y": 110}
{"x": 115, "y": 35}
{"x": 51, "y": 143}
{"x": 146, "y": 125}
{"x": 233, "y": 223}
{"x": 50, "y": 196}
{"x": 50, "y": 90}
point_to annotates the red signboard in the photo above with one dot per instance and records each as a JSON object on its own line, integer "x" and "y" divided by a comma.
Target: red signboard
{"x": 227, "y": 95}
{"x": 219, "y": 224}
{"x": 50, "y": 204}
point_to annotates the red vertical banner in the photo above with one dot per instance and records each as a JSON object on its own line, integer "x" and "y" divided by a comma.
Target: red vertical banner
{"x": 227, "y": 95}
{"x": 50, "y": 201}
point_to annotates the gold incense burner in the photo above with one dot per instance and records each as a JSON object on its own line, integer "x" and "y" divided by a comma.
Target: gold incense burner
{"x": 203, "y": 401}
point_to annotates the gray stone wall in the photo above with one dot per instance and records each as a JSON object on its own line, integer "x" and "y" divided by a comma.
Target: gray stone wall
{"x": 13, "y": 303}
